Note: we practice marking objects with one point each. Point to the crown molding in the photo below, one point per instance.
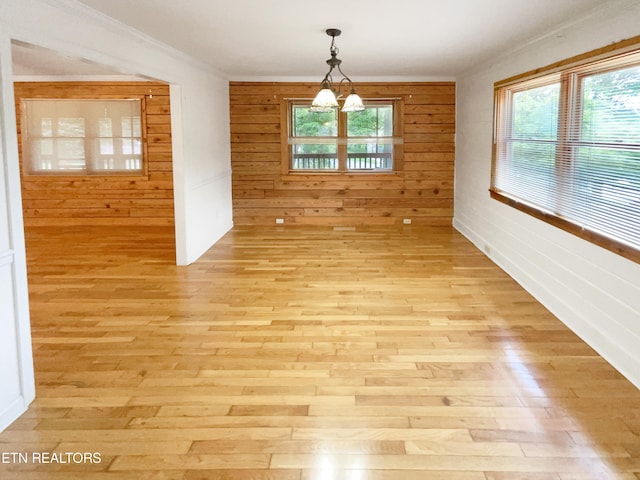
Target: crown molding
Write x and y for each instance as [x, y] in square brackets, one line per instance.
[358, 79]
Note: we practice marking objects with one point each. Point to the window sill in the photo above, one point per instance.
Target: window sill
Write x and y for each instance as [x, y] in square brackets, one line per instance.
[350, 175]
[76, 176]
[591, 236]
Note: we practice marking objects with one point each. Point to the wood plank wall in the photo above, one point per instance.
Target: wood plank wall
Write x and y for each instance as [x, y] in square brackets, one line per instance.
[422, 191]
[144, 200]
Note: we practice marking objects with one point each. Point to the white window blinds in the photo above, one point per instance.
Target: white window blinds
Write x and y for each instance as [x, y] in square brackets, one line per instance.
[567, 144]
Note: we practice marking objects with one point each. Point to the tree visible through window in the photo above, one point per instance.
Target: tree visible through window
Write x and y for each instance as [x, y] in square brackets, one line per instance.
[567, 149]
[348, 142]
[314, 139]
[370, 138]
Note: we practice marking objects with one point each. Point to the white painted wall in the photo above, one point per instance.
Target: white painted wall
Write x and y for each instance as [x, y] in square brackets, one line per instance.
[204, 209]
[595, 292]
[17, 387]
[201, 155]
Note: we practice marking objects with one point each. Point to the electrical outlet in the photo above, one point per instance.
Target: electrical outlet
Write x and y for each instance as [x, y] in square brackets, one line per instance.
[279, 220]
[406, 221]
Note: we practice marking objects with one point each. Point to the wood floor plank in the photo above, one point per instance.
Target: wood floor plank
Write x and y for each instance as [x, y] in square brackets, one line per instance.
[471, 463]
[307, 353]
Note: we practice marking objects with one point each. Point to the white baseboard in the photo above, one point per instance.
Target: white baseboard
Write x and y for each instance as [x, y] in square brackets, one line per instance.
[12, 412]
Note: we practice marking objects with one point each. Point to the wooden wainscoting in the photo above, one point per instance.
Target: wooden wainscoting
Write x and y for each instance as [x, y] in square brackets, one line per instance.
[105, 200]
[421, 190]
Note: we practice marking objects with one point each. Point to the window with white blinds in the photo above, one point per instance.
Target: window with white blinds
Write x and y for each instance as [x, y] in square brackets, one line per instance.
[567, 149]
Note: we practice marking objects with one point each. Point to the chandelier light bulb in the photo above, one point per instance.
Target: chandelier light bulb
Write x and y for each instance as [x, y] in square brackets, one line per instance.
[326, 99]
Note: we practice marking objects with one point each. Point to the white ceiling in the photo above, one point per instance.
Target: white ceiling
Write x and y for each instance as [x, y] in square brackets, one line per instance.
[419, 39]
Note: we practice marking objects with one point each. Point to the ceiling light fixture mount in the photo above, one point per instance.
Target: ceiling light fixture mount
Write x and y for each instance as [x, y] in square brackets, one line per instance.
[327, 98]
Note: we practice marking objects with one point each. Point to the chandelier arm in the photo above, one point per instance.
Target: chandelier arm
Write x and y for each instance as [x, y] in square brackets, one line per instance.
[345, 77]
[340, 85]
[327, 78]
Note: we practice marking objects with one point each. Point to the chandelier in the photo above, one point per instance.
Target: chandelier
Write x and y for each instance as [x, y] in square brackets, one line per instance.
[327, 98]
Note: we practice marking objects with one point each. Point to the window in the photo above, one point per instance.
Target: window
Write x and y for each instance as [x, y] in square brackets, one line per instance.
[86, 137]
[314, 139]
[365, 141]
[567, 149]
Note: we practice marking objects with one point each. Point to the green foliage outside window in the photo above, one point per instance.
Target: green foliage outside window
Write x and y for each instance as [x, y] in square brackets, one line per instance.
[315, 137]
[568, 144]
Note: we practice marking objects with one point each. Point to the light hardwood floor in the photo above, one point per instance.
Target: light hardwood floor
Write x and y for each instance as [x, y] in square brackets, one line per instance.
[308, 353]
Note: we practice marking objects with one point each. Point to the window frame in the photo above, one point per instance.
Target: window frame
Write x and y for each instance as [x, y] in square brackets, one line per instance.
[88, 170]
[570, 74]
[341, 139]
